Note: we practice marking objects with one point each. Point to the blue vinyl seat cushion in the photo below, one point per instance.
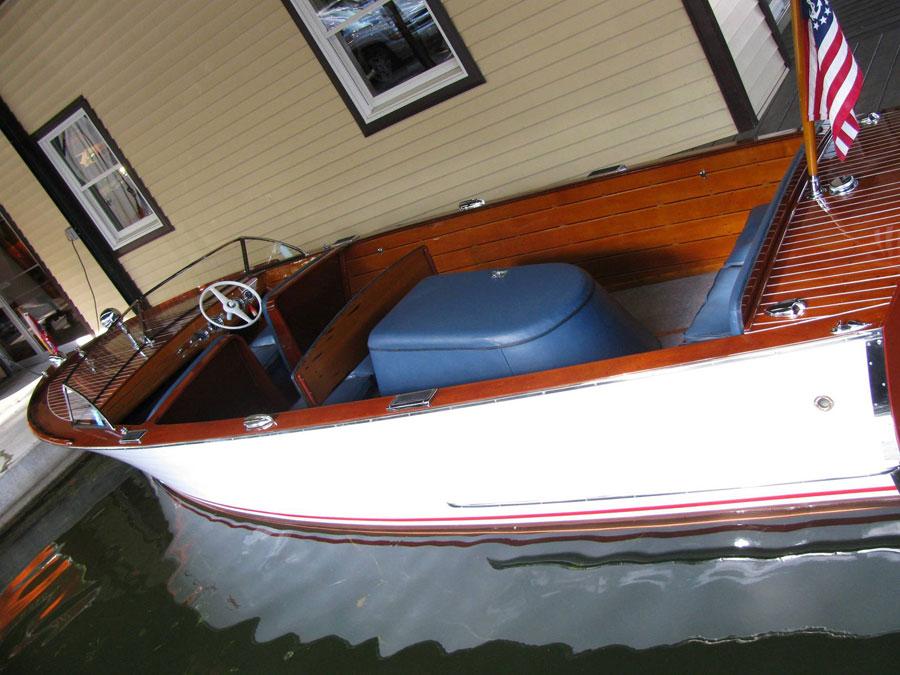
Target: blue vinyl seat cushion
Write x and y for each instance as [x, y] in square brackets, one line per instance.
[359, 384]
[721, 314]
[751, 238]
[265, 347]
[471, 326]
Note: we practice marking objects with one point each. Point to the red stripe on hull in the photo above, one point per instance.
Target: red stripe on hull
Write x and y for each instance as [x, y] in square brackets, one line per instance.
[557, 515]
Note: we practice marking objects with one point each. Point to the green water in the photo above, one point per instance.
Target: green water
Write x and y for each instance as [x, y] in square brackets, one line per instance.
[124, 578]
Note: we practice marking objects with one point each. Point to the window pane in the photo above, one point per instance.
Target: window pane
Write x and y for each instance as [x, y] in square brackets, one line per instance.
[394, 43]
[120, 200]
[333, 13]
[84, 151]
[422, 25]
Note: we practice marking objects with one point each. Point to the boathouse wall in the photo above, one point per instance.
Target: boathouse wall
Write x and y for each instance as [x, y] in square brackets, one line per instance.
[235, 128]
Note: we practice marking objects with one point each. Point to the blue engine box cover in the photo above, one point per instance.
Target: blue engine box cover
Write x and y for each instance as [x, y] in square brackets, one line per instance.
[471, 326]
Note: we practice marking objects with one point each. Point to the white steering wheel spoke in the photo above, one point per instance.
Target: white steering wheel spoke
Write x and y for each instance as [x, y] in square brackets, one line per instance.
[239, 313]
[232, 307]
[221, 297]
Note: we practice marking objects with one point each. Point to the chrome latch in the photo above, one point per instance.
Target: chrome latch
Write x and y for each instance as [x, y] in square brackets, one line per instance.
[413, 399]
[851, 326]
[788, 309]
[259, 422]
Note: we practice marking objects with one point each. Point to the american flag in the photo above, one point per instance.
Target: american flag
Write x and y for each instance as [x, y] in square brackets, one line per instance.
[833, 76]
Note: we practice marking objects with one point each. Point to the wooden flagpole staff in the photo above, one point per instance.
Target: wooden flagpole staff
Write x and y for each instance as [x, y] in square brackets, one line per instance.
[801, 53]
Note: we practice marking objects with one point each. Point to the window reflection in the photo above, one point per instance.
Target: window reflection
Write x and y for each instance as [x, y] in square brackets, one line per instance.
[84, 151]
[389, 44]
[333, 13]
[120, 200]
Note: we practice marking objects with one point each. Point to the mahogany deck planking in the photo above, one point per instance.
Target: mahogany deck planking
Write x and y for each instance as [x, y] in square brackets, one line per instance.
[845, 258]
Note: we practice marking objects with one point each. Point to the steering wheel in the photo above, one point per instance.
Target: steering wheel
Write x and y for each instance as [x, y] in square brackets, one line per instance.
[236, 307]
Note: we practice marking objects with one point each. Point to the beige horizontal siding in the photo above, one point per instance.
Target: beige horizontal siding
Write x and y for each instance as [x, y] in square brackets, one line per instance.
[753, 48]
[235, 128]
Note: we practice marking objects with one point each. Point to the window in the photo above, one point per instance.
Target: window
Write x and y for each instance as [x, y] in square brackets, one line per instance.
[389, 59]
[97, 173]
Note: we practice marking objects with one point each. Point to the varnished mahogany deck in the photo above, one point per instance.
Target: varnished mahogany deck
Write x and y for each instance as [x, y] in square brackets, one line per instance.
[844, 260]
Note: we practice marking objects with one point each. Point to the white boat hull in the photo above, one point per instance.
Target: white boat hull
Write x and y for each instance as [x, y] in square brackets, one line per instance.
[728, 436]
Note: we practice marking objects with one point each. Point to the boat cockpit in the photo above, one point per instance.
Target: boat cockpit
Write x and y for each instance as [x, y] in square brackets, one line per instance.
[286, 333]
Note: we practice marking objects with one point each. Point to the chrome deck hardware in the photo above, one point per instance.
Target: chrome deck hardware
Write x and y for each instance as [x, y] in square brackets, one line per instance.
[413, 399]
[132, 436]
[110, 317]
[86, 360]
[851, 326]
[788, 309]
[869, 120]
[842, 185]
[608, 171]
[83, 412]
[259, 422]
[877, 374]
[824, 403]
[471, 204]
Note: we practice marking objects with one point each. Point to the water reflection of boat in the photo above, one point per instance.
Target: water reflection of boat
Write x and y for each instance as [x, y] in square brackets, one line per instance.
[379, 396]
[43, 598]
[586, 591]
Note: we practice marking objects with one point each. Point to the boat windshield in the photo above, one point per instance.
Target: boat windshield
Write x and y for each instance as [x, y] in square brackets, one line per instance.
[167, 303]
[163, 311]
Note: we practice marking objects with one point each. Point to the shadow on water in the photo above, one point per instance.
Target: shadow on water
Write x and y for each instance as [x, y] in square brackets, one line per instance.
[110, 571]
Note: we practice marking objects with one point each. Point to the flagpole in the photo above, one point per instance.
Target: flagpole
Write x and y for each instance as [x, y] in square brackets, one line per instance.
[801, 53]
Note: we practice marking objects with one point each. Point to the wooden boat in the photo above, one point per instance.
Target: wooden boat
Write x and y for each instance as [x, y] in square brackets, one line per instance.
[412, 381]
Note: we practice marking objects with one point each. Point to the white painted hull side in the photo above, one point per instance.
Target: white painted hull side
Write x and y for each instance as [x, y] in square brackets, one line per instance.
[718, 436]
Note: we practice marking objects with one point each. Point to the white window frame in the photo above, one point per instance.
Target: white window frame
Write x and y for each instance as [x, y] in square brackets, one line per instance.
[372, 108]
[116, 239]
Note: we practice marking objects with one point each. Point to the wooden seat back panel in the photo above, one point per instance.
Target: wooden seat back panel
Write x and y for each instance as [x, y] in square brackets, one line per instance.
[301, 306]
[344, 342]
[225, 382]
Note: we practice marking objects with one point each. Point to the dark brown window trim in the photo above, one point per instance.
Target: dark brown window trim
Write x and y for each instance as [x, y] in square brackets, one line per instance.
[473, 73]
[776, 34]
[68, 205]
[81, 103]
[722, 63]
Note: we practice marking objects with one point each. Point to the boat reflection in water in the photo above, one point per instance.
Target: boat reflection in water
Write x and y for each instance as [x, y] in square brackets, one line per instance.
[579, 589]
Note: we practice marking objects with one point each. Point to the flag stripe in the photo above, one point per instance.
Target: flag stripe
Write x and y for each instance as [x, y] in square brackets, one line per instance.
[834, 79]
